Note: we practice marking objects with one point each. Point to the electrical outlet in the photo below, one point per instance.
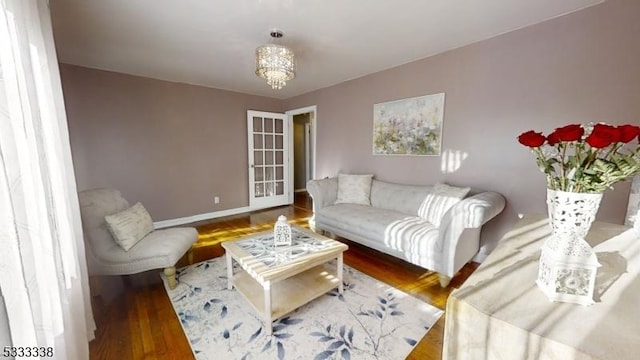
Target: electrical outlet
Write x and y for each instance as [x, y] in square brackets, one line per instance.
[216, 199]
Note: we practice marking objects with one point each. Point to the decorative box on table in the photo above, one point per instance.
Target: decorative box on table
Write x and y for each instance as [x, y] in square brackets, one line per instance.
[567, 270]
[282, 232]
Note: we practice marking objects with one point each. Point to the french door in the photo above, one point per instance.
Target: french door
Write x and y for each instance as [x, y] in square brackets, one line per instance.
[269, 181]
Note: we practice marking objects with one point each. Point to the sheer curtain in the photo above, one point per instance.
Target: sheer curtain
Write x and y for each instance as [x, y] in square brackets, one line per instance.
[43, 273]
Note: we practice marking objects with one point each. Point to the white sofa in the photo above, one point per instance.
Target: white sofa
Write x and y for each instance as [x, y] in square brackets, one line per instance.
[391, 223]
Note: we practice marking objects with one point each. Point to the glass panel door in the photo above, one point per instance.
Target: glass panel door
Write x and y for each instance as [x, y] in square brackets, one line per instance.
[268, 159]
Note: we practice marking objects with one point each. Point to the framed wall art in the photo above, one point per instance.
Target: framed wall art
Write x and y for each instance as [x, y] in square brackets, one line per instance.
[410, 126]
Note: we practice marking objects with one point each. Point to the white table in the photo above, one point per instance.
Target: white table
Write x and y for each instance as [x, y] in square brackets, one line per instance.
[278, 280]
[499, 312]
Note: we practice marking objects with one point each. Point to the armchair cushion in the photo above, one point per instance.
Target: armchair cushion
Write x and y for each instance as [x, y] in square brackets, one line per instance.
[159, 249]
[129, 226]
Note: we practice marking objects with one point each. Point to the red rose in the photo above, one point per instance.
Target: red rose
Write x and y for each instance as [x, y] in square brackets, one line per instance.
[569, 133]
[531, 139]
[553, 138]
[628, 132]
[603, 135]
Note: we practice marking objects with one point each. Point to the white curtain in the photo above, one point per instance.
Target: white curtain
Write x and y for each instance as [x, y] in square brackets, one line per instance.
[43, 272]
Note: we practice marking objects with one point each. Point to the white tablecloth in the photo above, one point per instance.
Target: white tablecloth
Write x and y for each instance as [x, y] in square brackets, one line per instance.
[499, 312]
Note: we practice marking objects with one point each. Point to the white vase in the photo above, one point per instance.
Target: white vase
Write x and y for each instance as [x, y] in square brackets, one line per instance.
[572, 212]
[568, 265]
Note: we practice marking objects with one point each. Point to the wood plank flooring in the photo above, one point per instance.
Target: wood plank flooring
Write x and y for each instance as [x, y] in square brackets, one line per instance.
[135, 318]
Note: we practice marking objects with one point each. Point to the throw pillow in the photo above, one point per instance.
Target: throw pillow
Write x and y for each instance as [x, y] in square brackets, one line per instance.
[439, 201]
[129, 226]
[354, 189]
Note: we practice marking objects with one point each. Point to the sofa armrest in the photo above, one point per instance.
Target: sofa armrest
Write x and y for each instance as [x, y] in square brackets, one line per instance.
[474, 211]
[459, 232]
[323, 192]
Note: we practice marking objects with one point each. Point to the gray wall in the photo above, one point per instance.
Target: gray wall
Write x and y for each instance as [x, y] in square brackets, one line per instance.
[171, 146]
[578, 68]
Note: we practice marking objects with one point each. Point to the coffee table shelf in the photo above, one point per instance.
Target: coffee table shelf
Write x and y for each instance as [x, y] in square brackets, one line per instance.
[289, 294]
[277, 280]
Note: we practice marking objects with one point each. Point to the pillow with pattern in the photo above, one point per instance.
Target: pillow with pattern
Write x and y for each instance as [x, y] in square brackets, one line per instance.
[354, 189]
[129, 226]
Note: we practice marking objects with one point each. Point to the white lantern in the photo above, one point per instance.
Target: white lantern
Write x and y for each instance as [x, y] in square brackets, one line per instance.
[282, 232]
[568, 268]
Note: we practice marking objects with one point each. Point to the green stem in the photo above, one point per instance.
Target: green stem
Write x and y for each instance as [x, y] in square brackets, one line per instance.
[613, 149]
[563, 179]
[578, 151]
[588, 161]
[543, 165]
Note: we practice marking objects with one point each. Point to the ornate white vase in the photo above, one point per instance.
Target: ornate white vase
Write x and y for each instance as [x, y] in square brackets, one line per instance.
[571, 212]
[568, 265]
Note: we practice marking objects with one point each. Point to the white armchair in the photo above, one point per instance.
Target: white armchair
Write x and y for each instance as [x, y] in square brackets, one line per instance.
[160, 249]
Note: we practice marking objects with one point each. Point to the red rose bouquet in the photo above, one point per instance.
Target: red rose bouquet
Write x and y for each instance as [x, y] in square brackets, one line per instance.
[589, 159]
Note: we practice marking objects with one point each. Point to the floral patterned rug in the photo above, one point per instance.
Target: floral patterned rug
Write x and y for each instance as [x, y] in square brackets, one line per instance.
[370, 320]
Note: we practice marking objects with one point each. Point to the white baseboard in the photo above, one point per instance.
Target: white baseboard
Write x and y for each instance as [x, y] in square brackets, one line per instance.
[199, 217]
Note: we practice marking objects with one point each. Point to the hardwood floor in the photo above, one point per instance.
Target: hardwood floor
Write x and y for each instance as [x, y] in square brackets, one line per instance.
[135, 318]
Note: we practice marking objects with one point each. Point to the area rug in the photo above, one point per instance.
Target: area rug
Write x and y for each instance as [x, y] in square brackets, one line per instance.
[370, 320]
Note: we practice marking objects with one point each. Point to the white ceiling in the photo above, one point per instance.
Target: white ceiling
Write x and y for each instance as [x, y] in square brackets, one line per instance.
[212, 42]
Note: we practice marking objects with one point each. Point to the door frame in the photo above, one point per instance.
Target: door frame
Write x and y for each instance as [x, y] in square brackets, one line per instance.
[307, 152]
[313, 109]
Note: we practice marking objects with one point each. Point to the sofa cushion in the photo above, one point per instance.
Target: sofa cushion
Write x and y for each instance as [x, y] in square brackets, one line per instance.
[354, 189]
[398, 197]
[129, 226]
[365, 220]
[441, 198]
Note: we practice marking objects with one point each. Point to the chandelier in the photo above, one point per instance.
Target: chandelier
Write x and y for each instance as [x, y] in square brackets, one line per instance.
[275, 63]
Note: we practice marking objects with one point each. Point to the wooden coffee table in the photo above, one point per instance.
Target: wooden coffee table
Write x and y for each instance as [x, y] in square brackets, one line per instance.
[278, 280]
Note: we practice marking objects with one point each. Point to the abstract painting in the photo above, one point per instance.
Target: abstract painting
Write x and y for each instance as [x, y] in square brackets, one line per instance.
[410, 126]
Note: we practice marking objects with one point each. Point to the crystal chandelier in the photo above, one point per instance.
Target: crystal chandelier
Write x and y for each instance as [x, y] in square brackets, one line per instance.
[275, 63]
